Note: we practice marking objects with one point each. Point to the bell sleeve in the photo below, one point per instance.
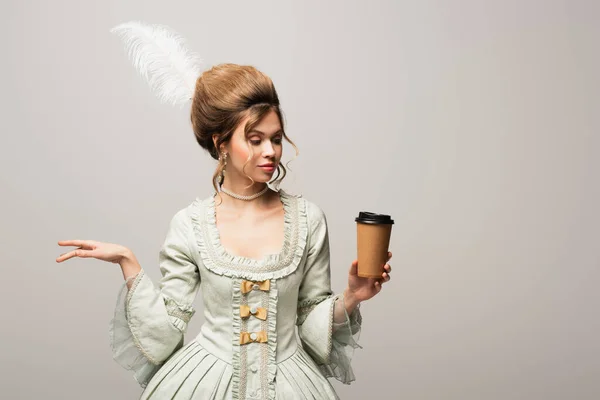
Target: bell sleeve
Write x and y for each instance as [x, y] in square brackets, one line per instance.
[150, 320]
[330, 344]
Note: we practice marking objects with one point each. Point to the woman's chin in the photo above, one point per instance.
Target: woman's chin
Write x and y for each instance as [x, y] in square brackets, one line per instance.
[263, 177]
[259, 180]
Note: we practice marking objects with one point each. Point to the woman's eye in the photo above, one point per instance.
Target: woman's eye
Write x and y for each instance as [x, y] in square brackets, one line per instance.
[257, 142]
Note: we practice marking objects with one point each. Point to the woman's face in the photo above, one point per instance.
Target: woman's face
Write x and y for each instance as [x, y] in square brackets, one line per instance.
[264, 143]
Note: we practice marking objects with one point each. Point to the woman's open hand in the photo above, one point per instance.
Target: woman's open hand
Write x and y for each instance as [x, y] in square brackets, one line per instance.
[361, 289]
[110, 252]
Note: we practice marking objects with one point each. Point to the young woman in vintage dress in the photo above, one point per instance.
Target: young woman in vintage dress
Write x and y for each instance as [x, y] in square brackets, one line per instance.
[260, 258]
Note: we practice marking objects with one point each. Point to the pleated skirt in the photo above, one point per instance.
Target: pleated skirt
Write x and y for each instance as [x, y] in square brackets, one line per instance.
[194, 373]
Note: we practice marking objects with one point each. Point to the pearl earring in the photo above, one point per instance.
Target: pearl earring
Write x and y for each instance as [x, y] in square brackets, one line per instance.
[224, 162]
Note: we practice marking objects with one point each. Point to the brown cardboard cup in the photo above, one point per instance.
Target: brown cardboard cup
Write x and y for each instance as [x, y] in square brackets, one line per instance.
[373, 232]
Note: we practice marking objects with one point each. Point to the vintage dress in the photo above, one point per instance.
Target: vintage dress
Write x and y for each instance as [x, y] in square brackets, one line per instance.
[248, 347]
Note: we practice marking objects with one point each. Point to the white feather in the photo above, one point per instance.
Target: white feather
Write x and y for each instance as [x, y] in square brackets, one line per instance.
[159, 54]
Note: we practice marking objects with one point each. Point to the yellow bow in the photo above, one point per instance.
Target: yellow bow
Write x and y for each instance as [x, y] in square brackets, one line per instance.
[259, 312]
[249, 285]
[247, 337]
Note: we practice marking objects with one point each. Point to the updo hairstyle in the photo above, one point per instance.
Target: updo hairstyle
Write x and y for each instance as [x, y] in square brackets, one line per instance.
[224, 96]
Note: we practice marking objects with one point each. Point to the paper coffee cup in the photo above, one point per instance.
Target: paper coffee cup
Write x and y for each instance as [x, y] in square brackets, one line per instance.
[373, 232]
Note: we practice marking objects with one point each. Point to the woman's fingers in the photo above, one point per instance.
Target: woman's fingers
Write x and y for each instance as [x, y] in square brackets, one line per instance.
[378, 286]
[354, 268]
[386, 275]
[85, 244]
[85, 249]
[75, 253]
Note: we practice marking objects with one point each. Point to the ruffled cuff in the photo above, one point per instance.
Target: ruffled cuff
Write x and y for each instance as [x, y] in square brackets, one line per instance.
[125, 349]
[331, 349]
[344, 339]
[147, 328]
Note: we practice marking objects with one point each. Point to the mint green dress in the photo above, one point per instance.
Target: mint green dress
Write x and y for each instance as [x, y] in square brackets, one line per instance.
[268, 330]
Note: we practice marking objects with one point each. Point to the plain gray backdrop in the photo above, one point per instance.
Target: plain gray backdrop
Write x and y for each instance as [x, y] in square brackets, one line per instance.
[473, 123]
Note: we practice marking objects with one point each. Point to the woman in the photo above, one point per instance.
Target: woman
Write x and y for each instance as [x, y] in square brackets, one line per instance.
[260, 258]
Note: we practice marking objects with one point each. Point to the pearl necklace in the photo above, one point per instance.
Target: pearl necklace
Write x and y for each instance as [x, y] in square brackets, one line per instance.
[242, 197]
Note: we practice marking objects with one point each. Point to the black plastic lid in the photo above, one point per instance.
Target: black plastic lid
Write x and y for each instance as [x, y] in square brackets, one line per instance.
[365, 217]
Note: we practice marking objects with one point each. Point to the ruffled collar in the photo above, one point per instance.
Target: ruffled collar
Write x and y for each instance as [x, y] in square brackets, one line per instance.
[272, 266]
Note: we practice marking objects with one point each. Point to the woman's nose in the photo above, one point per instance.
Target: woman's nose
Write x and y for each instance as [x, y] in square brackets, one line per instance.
[268, 149]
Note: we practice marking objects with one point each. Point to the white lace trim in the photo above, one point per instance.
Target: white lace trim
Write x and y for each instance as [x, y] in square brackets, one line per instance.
[273, 266]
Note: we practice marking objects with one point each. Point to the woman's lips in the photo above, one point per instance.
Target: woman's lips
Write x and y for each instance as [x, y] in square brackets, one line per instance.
[267, 167]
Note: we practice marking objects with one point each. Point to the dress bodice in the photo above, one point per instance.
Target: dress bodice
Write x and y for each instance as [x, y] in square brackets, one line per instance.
[253, 311]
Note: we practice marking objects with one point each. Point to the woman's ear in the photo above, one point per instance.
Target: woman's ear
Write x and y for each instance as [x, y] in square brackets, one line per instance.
[214, 139]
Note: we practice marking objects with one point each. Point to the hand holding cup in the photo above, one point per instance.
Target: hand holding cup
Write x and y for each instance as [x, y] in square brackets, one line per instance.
[360, 288]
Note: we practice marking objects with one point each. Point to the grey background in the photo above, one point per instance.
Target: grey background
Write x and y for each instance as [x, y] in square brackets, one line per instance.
[474, 123]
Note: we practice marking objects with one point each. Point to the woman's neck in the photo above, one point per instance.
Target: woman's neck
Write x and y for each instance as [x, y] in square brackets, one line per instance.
[242, 190]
